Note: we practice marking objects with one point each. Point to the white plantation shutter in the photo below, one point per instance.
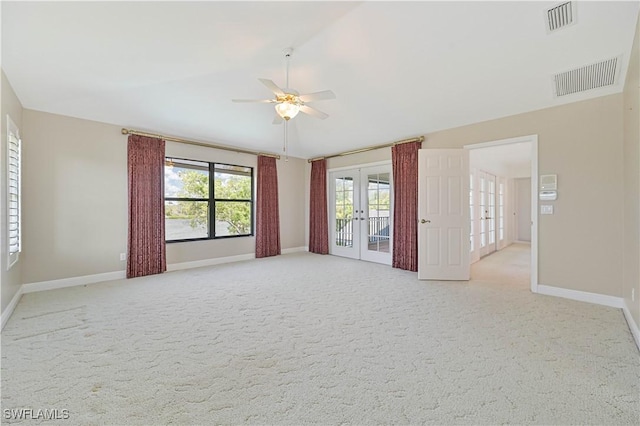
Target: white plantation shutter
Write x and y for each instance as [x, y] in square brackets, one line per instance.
[13, 190]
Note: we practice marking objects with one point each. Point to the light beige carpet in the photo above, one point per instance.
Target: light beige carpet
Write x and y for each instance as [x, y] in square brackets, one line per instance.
[304, 338]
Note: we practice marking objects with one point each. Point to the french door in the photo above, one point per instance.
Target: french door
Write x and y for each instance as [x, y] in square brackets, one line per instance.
[361, 223]
[486, 213]
[488, 206]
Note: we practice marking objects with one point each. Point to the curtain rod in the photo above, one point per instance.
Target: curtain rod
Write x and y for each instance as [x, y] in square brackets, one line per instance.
[196, 143]
[370, 148]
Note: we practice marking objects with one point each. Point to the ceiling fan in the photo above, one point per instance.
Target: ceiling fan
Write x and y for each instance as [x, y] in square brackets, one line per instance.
[288, 102]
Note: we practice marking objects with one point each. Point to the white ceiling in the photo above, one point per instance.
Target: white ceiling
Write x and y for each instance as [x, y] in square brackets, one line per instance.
[399, 69]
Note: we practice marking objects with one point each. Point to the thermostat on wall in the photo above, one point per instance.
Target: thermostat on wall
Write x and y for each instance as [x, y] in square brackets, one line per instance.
[548, 183]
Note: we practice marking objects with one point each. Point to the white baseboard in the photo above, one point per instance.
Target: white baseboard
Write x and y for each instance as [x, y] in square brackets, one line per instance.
[73, 281]
[635, 331]
[582, 296]
[295, 250]
[117, 275]
[221, 260]
[209, 262]
[6, 314]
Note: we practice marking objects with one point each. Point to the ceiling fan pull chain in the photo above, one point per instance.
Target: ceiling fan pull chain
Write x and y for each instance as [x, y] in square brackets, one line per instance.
[285, 148]
[284, 139]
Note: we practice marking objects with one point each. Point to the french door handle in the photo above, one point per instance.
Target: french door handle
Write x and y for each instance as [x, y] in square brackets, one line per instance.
[425, 221]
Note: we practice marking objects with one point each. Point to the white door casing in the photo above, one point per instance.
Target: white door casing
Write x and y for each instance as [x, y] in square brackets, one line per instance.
[443, 214]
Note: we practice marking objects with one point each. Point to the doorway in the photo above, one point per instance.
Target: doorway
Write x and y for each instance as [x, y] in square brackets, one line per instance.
[360, 214]
[493, 199]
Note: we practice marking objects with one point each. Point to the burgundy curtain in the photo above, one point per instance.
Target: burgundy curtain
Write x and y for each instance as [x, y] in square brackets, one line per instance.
[318, 221]
[267, 210]
[405, 205]
[146, 245]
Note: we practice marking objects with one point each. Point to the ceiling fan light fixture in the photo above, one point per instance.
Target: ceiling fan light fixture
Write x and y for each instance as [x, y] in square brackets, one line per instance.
[287, 110]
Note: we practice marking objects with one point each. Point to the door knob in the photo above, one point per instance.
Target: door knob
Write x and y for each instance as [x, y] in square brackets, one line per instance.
[425, 221]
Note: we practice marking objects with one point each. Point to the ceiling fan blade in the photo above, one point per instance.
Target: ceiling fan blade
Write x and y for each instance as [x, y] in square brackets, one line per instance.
[272, 86]
[313, 112]
[277, 119]
[318, 96]
[262, 101]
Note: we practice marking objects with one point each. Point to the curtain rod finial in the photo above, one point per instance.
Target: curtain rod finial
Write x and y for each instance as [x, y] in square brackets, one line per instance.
[125, 131]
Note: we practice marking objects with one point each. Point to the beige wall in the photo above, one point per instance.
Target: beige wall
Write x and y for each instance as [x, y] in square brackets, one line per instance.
[291, 196]
[631, 270]
[75, 199]
[522, 209]
[580, 246]
[10, 280]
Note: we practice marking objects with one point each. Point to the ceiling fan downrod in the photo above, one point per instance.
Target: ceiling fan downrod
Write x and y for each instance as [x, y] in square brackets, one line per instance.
[287, 56]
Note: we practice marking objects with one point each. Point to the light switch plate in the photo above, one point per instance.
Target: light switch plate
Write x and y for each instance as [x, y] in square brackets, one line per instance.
[546, 209]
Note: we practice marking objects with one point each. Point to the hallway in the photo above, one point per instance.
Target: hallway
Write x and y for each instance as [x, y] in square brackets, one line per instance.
[510, 266]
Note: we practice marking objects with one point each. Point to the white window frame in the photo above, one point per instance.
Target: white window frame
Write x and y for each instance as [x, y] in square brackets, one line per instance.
[13, 140]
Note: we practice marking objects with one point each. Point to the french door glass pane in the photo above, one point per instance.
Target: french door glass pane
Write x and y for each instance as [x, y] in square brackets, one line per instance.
[378, 208]
[501, 211]
[471, 212]
[492, 211]
[483, 212]
[344, 211]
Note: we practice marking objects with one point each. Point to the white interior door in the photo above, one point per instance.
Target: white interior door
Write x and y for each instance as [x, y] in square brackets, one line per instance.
[443, 214]
[361, 222]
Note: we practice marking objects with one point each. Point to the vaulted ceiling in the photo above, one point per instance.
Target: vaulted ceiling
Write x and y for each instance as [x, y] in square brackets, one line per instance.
[398, 69]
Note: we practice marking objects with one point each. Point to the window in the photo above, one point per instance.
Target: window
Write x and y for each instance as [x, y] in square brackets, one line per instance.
[207, 200]
[14, 196]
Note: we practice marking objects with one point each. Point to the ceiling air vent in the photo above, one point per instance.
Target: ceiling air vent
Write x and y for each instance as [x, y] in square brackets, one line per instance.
[588, 77]
[560, 16]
